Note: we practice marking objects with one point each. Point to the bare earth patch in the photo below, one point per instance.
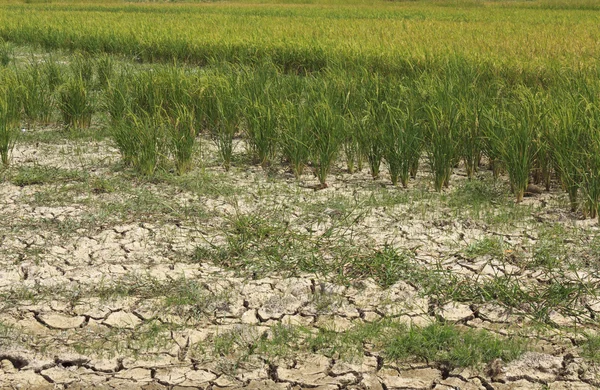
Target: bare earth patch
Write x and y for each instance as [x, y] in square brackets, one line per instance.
[248, 279]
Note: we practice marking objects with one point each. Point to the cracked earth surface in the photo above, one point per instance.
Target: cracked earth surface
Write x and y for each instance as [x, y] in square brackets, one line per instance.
[92, 283]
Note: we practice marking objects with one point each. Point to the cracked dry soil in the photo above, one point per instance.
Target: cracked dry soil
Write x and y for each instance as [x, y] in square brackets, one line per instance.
[84, 272]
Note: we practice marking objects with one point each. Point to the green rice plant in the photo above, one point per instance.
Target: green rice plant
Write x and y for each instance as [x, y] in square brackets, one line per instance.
[325, 130]
[121, 133]
[260, 114]
[76, 104]
[105, 70]
[36, 98]
[343, 93]
[402, 140]
[82, 67]
[117, 99]
[590, 160]
[351, 147]
[442, 134]
[471, 144]
[368, 124]
[470, 91]
[9, 116]
[158, 91]
[6, 52]
[145, 91]
[175, 89]
[491, 149]
[542, 164]
[53, 74]
[262, 130]
[512, 132]
[220, 104]
[149, 134]
[182, 136]
[566, 141]
[142, 141]
[295, 136]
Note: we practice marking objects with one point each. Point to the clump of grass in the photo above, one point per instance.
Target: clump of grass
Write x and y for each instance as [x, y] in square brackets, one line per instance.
[76, 104]
[439, 344]
[590, 348]
[37, 175]
[490, 246]
[452, 347]
[385, 266]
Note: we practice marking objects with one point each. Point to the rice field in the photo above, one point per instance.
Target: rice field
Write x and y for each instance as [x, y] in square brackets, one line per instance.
[485, 113]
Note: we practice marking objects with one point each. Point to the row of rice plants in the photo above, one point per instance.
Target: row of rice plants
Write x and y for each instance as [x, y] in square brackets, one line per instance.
[46, 86]
[308, 121]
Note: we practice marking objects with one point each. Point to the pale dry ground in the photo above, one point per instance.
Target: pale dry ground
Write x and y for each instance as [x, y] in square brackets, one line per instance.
[94, 265]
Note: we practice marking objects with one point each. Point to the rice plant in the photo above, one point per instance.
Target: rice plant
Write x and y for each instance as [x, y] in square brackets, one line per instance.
[295, 136]
[324, 127]
[53, 74]
[181, 138]
[402, 140]
[350, 147]
[220, 104]
[76, 104]
[36, 98]
[470, 94]
[512, 133]
[142, 141]
[121, 133]
[442, 133]
[368, 124]
[145, 91]
[566, 141]
[343, 93]
[82, 67]
[261, 117]
[105, 70]
[542, 164]
[471, 108]
[590, 158]
[117, 99]
[9, 117]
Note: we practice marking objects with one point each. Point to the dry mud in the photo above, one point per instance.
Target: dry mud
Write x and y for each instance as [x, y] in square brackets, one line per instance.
[63, 245]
